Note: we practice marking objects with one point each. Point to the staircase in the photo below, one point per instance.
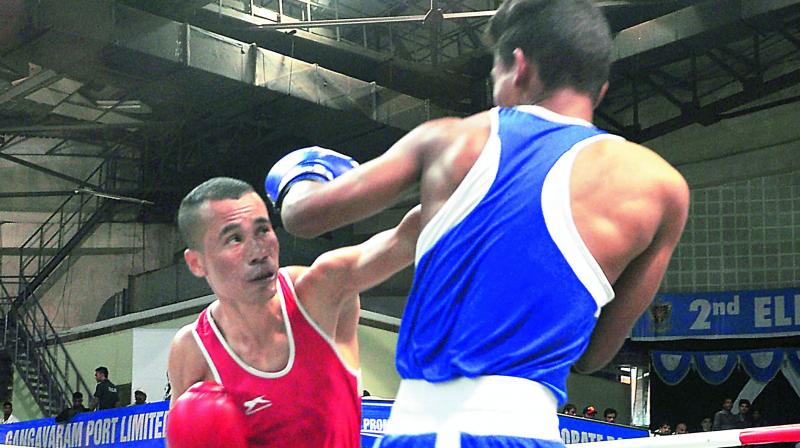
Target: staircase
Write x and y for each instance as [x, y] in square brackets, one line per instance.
[42, 362]
[28, 336]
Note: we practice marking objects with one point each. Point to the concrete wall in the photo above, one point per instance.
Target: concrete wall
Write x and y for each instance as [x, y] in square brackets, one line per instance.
[377, 348]
[740, 235]
[98, 268]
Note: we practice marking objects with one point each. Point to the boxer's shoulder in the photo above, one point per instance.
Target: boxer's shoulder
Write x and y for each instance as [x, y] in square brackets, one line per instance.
[441, 133]
[186, 363]
[629, 168]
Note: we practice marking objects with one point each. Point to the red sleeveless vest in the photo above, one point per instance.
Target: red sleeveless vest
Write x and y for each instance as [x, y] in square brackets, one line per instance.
[313, 402]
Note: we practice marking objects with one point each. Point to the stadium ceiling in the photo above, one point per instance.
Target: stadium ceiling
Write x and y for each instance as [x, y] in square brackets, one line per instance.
[208, 87]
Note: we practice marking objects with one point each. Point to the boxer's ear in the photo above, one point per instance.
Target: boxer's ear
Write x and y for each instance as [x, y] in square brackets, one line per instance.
[195, 262]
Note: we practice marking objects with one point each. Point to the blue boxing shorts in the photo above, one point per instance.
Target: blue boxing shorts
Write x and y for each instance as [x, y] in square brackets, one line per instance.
[483, 412]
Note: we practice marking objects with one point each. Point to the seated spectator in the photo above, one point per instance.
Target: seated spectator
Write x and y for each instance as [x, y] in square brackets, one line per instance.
[570, 409]
[705, 424]
[681, 428]
[590, 412]
[664, 430]
[76, 408]
[756, 419]
[724, 418]
[8, 417]
[139, 397]
[610, 415]
[744, 414]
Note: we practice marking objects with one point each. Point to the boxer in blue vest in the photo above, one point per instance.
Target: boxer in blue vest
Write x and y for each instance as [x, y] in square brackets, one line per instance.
[534, 220]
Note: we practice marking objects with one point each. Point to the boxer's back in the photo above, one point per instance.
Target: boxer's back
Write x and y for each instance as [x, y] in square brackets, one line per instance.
[596, 195]
[504, 284]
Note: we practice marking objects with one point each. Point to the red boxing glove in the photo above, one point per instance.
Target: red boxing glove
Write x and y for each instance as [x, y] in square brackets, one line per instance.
[206, 416]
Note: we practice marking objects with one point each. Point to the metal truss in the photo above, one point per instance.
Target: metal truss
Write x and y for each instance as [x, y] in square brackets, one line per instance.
[705, 81]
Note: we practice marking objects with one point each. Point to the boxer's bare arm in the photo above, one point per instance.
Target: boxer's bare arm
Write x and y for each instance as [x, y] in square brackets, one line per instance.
[186, 364]
[329, 288]
[658, 215]
[310, 209]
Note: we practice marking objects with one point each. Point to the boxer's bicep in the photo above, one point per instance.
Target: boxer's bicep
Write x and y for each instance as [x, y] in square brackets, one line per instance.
[635, 288]
[346, 332]
[350, 270]
[185, 365]
[633, 291]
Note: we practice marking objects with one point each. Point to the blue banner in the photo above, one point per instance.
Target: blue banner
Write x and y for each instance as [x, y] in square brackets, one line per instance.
[143, 426]
[135, 427]
[582, 430]
[375, 414]
[739, 314]
[762, 364]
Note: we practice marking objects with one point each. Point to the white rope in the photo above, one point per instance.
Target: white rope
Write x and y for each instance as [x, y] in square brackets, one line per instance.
[713, 439]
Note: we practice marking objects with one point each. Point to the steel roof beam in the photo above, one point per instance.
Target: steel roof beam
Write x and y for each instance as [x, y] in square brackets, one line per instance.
[710, 20]
[47, 171]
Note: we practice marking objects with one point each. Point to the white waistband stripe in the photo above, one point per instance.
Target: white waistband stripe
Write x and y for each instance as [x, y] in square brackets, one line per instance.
[489, 405]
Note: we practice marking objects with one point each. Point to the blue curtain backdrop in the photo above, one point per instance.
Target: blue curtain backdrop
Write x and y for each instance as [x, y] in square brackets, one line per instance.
[715, 367]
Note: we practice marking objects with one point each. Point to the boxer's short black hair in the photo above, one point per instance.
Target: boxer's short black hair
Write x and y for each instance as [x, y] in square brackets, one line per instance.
[215, 189]
[569, 41]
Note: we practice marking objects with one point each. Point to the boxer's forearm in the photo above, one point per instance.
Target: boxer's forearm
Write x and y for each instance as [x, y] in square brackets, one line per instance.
[388, 252]
[312, 208]
[367, 189]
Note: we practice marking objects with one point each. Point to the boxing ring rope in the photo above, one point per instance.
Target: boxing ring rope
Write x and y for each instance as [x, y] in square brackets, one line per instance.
[713, 439]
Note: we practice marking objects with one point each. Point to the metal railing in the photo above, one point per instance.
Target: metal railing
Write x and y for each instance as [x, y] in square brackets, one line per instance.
[65, 228]
[42, 361]
[28, 335]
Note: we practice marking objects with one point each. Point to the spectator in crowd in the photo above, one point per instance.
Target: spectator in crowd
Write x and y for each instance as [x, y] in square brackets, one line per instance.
[105, 394]
[590, 412]
[168, 390]
[570, 409]
[681, 428]
[705, 424]
[8, 417]
[76, 408]
[724, 418]
[756, 419]
[744, 414]
[664, 430]
[610, 415]
[139, 397]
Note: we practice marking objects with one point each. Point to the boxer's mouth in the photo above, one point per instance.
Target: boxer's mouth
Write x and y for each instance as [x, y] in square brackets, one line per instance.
[263, 276]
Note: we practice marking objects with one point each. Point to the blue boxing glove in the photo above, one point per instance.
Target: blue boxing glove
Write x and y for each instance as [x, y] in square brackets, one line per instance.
[312, 163]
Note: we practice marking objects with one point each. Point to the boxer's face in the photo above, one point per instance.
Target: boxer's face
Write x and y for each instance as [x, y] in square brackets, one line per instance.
[239, 258]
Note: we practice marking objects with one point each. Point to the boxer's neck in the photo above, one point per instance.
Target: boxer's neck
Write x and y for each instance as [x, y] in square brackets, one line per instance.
[568, 102]
[255, 331]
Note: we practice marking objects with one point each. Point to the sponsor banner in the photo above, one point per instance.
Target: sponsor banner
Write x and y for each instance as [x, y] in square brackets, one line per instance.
[131, 427]
[737, 314]
[582, 430]
[375, 414]
[143, 427]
